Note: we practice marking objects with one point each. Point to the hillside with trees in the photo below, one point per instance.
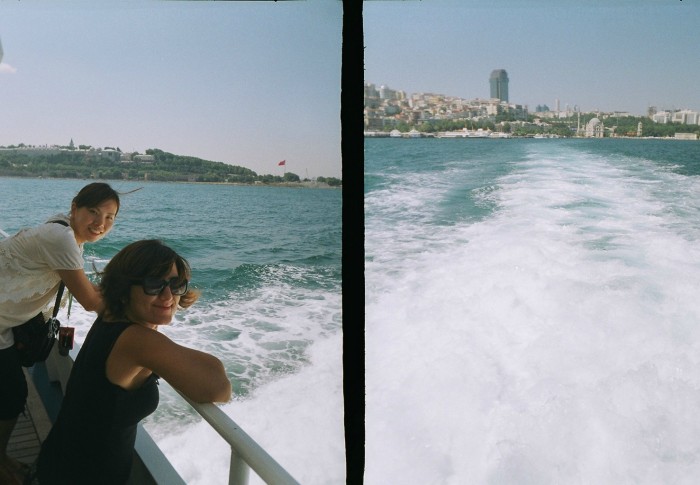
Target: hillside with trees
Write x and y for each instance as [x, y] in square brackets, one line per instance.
[107, 164]
[564, 127]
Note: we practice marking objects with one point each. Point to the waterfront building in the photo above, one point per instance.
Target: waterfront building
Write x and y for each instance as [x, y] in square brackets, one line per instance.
[687, 117]
[499, 84]
[661, 117]
[594, 129]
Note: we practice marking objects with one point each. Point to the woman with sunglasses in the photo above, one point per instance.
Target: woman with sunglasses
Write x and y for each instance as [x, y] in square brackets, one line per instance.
[33, 262]
[113, 383]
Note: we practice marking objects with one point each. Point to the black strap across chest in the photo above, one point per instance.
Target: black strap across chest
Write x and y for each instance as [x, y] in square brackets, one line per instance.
[62, 286]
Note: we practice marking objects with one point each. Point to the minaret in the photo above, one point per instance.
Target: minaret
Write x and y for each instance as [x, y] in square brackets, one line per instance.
[578, 122]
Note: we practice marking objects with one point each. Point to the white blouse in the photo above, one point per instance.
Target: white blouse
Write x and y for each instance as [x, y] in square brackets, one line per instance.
[28, 278]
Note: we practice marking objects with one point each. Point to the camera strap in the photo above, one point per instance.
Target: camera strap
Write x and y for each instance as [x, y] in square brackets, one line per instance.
[62, 286]
[58, 299]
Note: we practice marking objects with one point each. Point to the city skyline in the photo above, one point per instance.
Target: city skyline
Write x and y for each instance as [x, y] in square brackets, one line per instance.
[245, 83]
[623, 57]
[658, 114]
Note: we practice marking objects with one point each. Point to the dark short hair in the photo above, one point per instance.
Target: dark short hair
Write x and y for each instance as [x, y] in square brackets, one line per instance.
[149, 257]
[95, 194]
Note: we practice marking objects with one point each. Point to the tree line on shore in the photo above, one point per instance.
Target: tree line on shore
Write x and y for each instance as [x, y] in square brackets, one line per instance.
[619, 126]
[165, 167]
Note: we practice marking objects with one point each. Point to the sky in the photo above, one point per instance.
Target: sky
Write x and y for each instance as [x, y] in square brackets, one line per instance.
[245, 83]
[598, 55]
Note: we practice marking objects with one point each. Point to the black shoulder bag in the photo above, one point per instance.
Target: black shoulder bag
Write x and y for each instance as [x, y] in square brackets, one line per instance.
[34, 339]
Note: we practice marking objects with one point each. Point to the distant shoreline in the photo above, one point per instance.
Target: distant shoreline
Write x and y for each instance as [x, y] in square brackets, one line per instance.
[520, 137]
[298, 185]
[109, 164]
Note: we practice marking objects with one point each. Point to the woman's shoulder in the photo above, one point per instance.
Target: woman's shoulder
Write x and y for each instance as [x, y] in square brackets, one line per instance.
[50, 231]
[59, 240]
[139, 339]
[104, 332]
[140, 332]
[60, 218]
[111, 325]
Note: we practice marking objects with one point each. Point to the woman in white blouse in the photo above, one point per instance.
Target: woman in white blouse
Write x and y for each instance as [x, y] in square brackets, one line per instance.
[33, 262]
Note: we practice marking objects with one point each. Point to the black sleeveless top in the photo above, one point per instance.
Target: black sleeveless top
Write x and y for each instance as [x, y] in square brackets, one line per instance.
[92, 440]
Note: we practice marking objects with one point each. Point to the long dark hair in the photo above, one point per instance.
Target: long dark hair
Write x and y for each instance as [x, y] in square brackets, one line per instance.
[149, 257]
[95, 194]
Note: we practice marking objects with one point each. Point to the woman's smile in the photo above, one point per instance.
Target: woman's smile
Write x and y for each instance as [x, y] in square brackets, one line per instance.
[92, 223]
[153, 310]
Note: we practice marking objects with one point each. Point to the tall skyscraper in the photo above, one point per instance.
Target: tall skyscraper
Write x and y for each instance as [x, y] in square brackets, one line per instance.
[499, 84]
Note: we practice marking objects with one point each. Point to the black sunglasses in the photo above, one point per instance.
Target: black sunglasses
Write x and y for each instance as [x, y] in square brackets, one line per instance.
[155, 286]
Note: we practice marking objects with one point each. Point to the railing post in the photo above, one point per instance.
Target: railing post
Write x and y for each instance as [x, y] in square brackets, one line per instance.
[239, 470]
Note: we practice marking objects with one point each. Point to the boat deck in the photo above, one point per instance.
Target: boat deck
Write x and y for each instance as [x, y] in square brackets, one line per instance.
[32, 427]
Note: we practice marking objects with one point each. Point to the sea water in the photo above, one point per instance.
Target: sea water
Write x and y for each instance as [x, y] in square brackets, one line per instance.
[267, 261]
[532, 311]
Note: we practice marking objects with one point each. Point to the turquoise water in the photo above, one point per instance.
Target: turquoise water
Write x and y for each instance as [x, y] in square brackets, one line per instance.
[532, 311]
[268, 263]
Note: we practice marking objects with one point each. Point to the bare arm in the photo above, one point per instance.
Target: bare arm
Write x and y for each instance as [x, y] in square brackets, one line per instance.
[84, 291]
[200, 376]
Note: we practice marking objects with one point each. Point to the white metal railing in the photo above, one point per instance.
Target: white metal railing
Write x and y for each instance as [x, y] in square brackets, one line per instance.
[245, 452]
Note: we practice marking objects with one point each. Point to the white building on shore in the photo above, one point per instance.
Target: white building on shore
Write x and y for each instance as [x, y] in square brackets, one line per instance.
[685, 116]
[594, 129]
